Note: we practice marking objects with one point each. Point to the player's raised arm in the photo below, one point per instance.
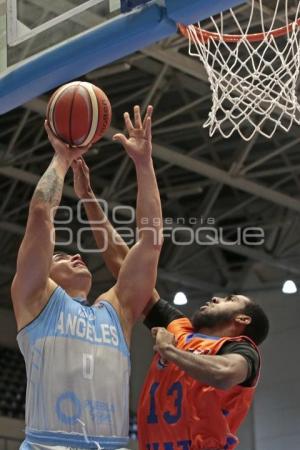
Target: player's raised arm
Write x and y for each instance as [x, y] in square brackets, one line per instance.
[138, 273]
[31, 286]
[112, 247]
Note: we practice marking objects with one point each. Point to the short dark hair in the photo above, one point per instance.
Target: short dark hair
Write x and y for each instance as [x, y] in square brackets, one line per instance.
[258, 329]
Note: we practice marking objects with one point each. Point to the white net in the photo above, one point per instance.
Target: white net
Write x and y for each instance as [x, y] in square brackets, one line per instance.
[253, 79]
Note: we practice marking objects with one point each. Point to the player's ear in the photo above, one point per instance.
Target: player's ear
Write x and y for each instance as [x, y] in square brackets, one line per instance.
[243, 319]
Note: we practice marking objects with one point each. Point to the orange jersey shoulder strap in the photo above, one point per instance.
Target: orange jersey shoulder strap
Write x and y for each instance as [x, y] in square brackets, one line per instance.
[180, 328]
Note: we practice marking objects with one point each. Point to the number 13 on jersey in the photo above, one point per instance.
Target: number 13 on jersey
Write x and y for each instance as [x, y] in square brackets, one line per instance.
[170, 417]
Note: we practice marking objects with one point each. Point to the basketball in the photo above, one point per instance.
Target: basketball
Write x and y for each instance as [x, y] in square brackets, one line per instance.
[79, 113]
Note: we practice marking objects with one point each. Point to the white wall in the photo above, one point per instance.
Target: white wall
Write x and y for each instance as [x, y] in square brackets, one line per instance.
[277, 404]
[11, 433]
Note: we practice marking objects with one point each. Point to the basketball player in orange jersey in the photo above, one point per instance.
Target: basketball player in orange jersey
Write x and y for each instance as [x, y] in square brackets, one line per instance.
[76, 355]
[202, 380]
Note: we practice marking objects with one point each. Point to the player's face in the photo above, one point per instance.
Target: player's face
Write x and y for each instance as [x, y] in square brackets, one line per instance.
[219, 311]
[65, 266]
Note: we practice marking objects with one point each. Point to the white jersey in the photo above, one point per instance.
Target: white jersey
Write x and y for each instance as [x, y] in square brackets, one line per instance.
[78, 367]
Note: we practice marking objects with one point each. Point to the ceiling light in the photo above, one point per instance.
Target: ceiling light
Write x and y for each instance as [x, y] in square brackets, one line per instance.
[180, 299]
[289, 287]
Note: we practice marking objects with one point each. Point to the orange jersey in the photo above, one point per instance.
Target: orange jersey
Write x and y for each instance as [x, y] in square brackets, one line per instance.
[177, 412]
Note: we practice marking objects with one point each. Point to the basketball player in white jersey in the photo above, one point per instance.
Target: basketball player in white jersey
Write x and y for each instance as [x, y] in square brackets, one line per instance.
[77, 357]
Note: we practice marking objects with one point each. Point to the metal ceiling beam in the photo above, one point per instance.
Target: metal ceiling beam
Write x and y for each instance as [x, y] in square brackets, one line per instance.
[153, 67]
[186, 280]
[251, 253]
[178, 61]
[270, 155]
[260, 256]
[12, 227]
[276, 171]
[155, 86]
[31, 178]
[207, 170]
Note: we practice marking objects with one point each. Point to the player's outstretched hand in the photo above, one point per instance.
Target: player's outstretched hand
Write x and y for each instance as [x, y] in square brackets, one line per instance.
[138, 145]
[81, 173]
[64, 150]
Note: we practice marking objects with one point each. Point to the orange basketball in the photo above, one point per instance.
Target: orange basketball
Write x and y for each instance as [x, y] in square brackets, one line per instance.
[79, 113]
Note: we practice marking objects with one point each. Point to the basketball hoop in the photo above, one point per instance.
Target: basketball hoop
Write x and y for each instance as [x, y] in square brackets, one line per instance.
[253, 75]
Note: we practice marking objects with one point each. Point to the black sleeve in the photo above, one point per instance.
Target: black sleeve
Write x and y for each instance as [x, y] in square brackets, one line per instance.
[161, 314]
[249, 353]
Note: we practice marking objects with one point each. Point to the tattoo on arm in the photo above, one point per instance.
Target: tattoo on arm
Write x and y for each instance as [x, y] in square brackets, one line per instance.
[49, 188]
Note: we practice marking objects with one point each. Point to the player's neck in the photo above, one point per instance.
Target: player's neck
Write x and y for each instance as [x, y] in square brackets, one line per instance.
[76, 286]
[218, 331]
[80, 291]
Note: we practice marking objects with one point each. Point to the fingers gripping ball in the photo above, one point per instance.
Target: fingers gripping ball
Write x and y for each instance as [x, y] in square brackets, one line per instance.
[79, 113]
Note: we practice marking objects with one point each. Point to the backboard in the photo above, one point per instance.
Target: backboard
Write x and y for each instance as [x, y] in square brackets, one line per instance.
[44, 43]
[36, 25]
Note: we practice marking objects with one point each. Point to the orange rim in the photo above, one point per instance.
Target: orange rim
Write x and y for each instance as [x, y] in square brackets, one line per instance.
[204, 35]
